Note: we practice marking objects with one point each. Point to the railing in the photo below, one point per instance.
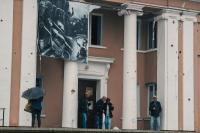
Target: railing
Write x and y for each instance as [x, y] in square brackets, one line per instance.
[3, 114]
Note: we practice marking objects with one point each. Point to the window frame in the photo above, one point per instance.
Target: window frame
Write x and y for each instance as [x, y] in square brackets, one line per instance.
[90, 31]
[148, 85]
[139, 34]
[138, 101]
[154, 46]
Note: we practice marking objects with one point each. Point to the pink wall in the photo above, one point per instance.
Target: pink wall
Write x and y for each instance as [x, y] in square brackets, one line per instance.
[53, 74]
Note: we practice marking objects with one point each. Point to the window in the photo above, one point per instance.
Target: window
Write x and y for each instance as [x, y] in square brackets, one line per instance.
[96, 29]
[138, 101]
[152, 91]
[139, 34]
[152, 35]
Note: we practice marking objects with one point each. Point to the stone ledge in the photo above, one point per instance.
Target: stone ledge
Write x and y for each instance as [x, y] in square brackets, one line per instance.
[77, 130]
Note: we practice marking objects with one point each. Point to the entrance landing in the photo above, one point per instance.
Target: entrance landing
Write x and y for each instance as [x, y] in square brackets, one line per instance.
[70, 130]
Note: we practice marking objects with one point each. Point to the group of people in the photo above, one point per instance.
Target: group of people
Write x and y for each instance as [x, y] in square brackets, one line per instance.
[102, 110]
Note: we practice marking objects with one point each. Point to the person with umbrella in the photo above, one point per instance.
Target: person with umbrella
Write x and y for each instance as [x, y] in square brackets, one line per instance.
[36, 108]
[35, 97]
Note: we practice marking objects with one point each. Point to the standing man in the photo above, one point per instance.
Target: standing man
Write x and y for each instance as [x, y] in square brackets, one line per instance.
[83, 107]
[99, 112]
[154, 111]
[107, 109]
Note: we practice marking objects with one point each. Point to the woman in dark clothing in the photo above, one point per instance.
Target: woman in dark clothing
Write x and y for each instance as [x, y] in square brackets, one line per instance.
[36, 108]
[107, 109]
[83, 108]
[99, 112]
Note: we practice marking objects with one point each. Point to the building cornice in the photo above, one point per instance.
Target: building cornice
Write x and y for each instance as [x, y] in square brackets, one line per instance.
[148, 4]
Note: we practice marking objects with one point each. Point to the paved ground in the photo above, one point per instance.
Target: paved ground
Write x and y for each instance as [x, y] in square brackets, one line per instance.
[69, 130]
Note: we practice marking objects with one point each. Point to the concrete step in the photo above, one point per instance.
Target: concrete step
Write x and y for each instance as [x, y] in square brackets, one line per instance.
[77, 130]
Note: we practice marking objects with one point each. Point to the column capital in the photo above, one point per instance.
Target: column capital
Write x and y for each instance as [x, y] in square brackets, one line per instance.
[189, 16]
[166, 14]
[198, 18]
[128, 9]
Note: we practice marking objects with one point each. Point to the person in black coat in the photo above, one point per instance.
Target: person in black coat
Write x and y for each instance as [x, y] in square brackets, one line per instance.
[36, 108]
[107, 109]
[99, 112]
[83, 108]
[154, 111]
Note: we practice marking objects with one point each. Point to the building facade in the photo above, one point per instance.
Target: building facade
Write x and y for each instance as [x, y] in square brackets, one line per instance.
[137, 49]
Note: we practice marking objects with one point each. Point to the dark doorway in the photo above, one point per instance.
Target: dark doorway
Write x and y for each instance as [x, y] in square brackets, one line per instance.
[89, 86]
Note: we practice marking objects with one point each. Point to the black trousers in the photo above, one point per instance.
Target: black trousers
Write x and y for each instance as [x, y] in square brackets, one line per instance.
[36, 113]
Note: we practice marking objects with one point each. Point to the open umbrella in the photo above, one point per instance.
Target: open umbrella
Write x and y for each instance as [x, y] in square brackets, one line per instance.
[33, 93]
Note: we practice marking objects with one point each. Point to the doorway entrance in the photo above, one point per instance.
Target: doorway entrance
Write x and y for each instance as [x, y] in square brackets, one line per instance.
[89, 86]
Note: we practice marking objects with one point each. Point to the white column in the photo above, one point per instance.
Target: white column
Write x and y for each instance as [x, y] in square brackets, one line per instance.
[70, 95]
[29, 53]
[129, 107]
[188, 72]
[167, 68]
[6, 28]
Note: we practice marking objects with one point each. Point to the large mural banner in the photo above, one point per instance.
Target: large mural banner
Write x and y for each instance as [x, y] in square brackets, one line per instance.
[63, 29]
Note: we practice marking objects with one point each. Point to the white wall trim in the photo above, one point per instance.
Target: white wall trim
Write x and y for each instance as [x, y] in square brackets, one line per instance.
[144, 51]
[6, 37]
[97, 46]
[101, 59]
[96, 69]
[147, 51]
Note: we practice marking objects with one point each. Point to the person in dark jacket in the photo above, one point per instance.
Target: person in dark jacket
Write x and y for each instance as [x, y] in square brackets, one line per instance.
[83, 107]
[36, 108]
[154, 111]
[107, 109]
[99, 112]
